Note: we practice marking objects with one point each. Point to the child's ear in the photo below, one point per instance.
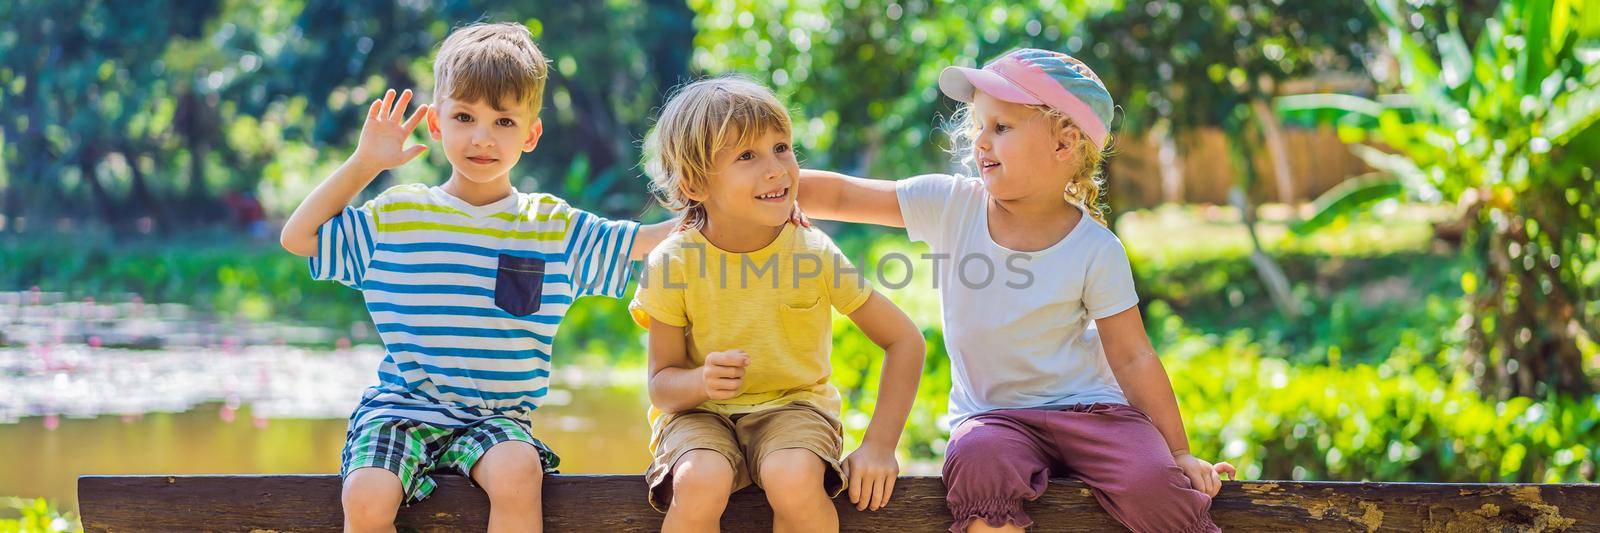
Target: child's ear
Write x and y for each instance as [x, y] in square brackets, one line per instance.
[692, 192]
[534, 132]
[1067, 144]
[433, 122]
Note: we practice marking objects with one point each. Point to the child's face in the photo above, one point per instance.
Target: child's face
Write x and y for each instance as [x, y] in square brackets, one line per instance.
[755, 183]
[1018, 152]
[483, 143]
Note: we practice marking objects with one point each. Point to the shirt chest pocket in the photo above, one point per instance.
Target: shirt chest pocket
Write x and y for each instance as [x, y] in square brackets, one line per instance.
[806, 321]
[519, 284]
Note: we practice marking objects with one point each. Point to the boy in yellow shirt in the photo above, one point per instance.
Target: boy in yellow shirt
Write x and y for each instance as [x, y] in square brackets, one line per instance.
[739, 306]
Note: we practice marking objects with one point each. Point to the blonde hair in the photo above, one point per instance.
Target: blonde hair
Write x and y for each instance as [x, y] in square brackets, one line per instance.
[700, 119]
[1085, 188]
[491, 62]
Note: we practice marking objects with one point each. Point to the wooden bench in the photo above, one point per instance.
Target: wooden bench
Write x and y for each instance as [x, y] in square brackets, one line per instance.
[616, 503]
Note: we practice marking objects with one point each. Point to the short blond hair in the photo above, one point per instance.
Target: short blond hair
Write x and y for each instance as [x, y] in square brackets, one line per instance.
[1084, 188]
[493, 63]
[699, 120]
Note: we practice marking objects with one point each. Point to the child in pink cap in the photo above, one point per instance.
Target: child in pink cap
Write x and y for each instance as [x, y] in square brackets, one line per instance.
[1052, 371]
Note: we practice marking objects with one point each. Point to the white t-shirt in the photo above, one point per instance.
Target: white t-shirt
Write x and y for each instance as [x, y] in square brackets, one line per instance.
[1018, 326]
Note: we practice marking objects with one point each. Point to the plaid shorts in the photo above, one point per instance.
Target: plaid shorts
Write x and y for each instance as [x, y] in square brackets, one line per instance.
[413, 449]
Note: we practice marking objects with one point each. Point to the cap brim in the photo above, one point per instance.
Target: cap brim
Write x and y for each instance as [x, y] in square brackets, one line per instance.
[959, 83]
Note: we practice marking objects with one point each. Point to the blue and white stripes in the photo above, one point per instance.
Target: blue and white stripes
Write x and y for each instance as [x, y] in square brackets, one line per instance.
[428, 266]
[344, 247]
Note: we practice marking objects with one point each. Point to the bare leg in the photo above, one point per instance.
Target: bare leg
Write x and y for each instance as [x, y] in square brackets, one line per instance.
[371, 498]
[792, 479]
[511, 474]
[701, 482]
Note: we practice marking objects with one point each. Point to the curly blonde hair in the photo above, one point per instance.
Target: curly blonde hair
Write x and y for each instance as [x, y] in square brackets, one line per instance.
[700, 119]
[1086, 187]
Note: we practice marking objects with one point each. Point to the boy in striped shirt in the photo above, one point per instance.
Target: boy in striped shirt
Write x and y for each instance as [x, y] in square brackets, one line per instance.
[466, 282]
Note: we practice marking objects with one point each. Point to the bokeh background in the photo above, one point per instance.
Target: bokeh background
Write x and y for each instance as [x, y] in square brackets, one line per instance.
[1364, 234]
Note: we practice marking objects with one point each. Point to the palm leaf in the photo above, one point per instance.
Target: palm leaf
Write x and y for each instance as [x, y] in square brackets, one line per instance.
[1310, 110]
[1400, 167]
[1532, 66]
[1347, 198]
[1580, 109]
[1454, 58]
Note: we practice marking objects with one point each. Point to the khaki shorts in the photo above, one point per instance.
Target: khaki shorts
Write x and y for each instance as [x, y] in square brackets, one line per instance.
[745, 440]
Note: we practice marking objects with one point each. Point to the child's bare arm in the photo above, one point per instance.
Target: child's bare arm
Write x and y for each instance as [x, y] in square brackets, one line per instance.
[649, 236]
[1133, 360]
[652, 234]
[872, 468]
[677, 385]
[835, 196]
[382, 147]
[1140, 374]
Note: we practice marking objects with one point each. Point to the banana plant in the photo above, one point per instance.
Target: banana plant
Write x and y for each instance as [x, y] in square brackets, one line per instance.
[1504, 122]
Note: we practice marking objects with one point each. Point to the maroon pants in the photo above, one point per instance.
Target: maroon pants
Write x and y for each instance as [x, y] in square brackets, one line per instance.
[1000, 458]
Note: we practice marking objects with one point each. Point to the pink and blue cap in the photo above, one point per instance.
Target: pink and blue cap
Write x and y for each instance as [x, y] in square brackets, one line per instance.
[1038, 77]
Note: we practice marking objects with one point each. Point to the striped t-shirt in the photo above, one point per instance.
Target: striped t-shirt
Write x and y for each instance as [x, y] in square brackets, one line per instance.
[466, 298]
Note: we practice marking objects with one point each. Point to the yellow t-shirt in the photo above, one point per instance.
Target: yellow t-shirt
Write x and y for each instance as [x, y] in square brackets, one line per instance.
[773, 303]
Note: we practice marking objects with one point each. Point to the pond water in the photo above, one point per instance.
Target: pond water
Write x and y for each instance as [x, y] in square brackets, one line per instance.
[132, 388]
[602, 429]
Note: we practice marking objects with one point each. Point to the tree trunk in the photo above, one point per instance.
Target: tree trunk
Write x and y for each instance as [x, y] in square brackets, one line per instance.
[88, 161]
[194, 122]
[1277, 150]
[139, 192]
[12, 205]
[598, 127]
[670, 43]
[1245, 175]
[1169, 164]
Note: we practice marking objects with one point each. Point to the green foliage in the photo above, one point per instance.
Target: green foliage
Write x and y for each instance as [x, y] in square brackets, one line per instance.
[1347, 198]
[122, 112]
[1311, 110]
[35, 515]
[864, 74]
[1398, 419]
[1505, 123]
[250, 281]
[1365, 307]
[1207, 63]
[1197, 62]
